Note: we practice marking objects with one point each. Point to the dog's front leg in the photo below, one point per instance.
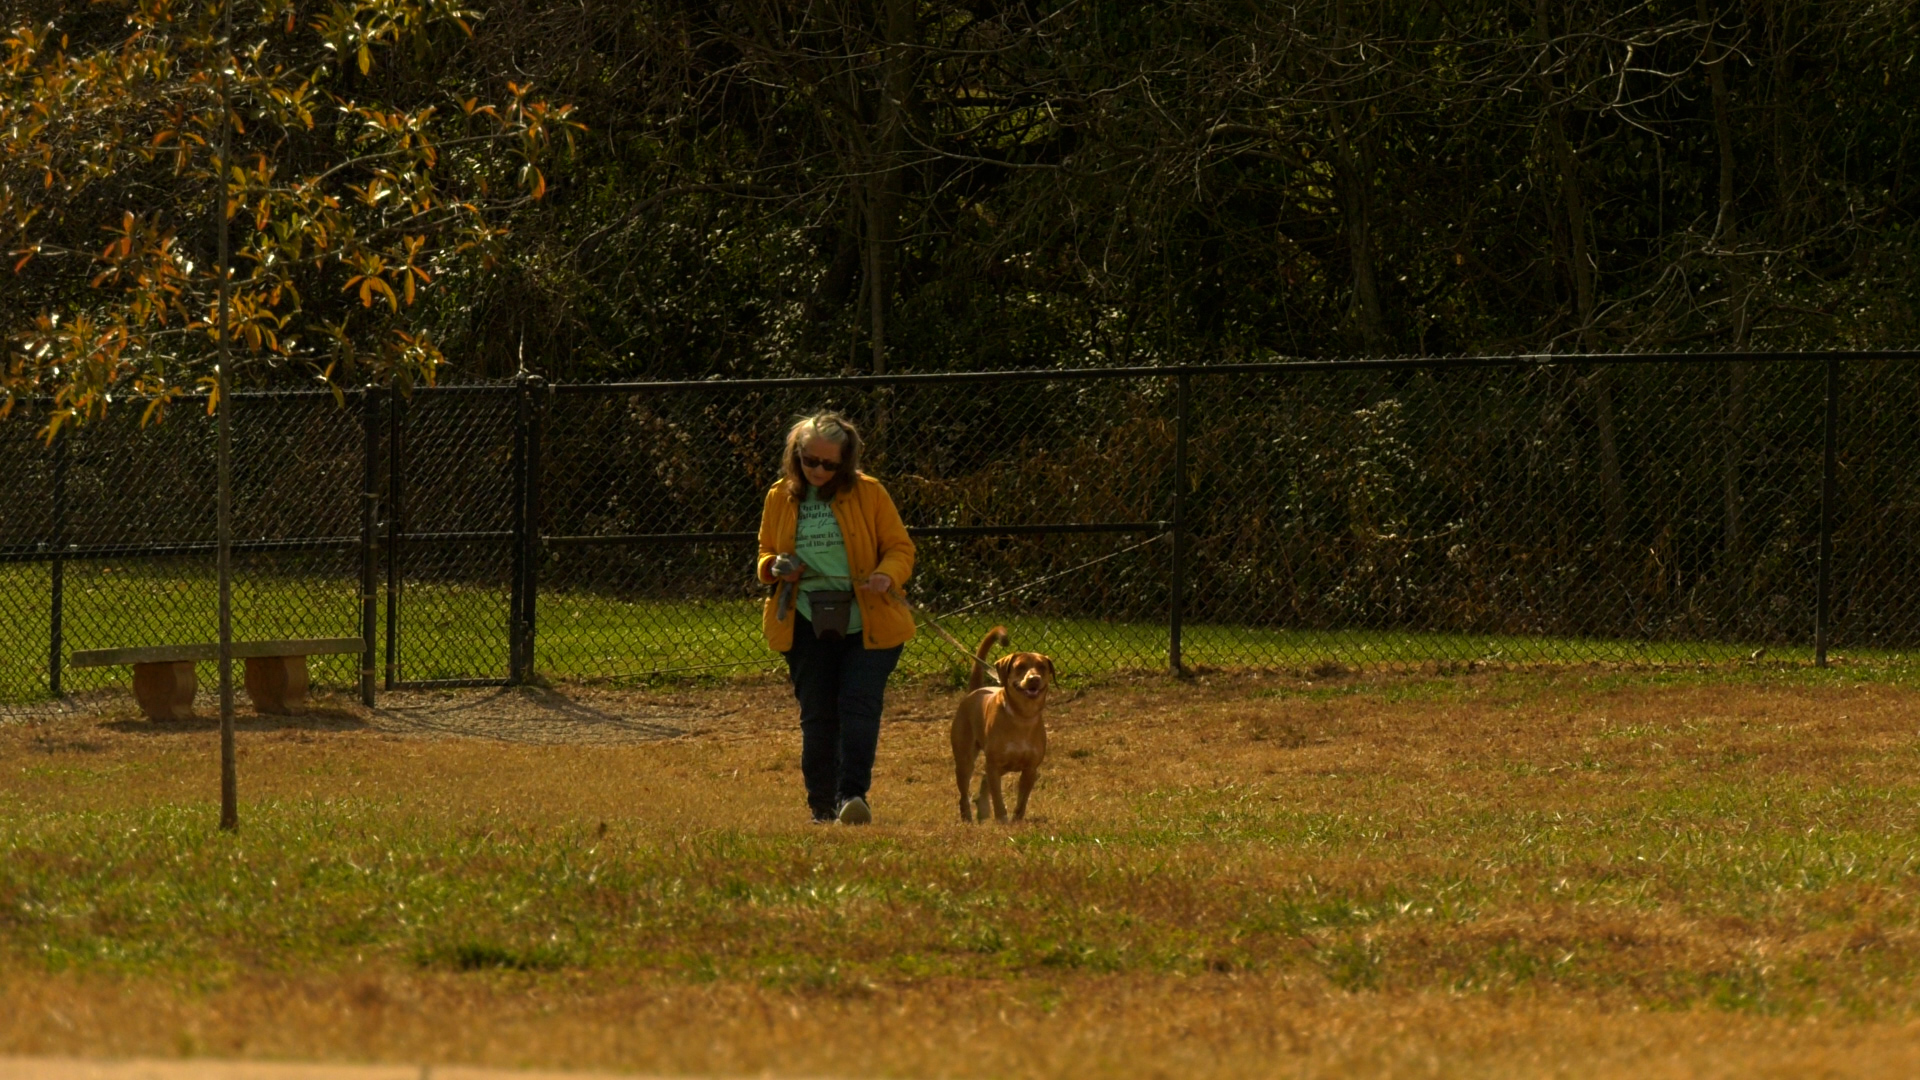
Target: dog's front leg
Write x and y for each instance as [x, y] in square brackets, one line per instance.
[1027, 778]
[999, 804]
[981, 802]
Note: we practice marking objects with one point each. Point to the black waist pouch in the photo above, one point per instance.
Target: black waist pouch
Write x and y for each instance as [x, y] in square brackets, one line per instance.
[831, 611]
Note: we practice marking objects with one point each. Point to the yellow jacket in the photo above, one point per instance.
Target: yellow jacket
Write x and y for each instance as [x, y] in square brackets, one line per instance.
[876, 540]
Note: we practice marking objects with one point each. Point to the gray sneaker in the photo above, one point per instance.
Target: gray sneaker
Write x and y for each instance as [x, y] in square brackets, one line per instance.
[855, 812]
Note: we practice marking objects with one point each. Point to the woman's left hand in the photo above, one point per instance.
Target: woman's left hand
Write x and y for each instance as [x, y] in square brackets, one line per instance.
[878, 582]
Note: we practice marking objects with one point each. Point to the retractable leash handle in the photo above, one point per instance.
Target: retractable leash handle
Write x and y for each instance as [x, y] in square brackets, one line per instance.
[785, 592]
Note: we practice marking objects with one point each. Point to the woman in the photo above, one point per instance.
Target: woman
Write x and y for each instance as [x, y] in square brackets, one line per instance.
[834, 547]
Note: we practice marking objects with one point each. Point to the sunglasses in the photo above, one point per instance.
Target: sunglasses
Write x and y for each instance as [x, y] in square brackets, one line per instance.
[812, 462]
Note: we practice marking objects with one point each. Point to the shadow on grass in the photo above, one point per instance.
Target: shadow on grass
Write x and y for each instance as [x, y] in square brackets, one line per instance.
[491, 956]
[316, 718]
[523, 714]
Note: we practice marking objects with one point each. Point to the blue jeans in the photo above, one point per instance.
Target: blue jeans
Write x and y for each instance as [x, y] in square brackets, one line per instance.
[841, 686]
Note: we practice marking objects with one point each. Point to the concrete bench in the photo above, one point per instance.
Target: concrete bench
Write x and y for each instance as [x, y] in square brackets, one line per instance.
[164, 681]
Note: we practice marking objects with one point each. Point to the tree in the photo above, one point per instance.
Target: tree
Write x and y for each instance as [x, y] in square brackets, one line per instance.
[358, 179]
[355, 185]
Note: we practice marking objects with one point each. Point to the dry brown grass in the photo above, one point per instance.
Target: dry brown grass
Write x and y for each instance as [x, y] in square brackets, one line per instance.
[1578, 873]
[1209, 1027]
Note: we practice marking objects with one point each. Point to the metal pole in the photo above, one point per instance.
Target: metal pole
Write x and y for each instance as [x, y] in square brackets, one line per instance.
[229, 783]
[1823, 616]
[516, 599]
[396, 509]
[56, 629]
[369, 541]
[1177, 586]
[530, 590]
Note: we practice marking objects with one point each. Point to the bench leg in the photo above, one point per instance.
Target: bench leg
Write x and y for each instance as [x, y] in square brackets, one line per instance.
[165, 691]
[278, 684]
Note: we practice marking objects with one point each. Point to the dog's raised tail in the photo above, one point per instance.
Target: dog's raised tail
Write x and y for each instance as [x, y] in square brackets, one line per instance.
[978, 676]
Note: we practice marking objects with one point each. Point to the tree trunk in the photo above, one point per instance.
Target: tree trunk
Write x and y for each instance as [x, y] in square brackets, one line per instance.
[1353, 173]
[1582, 270]
[886, 174]
[1351, 166]
[1574, 202]
[1789, 168]
[223, 495]
[1612, 491]
[1726, 239]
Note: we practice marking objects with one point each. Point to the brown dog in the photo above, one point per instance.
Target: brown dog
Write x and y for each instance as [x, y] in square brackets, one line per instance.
[1006, 723]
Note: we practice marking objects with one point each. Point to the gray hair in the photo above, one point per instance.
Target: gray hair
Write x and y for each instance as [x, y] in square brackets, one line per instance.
[837, 430]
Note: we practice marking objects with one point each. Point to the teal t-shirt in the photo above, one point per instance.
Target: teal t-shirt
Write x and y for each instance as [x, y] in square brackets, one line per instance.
[817, 540]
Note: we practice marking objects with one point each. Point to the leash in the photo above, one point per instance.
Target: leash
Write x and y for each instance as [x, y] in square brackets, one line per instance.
[972, 658]
[784, 598]
[934, 622]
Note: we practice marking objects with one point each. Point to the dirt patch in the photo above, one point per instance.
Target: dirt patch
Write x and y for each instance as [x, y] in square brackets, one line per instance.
[542, 716]
[600, 715]
[534, 715]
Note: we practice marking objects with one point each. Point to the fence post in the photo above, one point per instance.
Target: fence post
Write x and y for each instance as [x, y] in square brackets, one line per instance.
[516, 602]
[1823, 616]
[535, 399]
[396, 506]
[369, 541]
[1176, 598]
[56, 626]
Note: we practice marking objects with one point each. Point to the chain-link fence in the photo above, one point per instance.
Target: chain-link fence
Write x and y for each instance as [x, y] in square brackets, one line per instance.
[1296, 516]
[652, 497]
[107, 538]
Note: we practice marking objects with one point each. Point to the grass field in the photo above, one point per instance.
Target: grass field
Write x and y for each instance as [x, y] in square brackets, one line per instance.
[1568, 871]
[460, 632]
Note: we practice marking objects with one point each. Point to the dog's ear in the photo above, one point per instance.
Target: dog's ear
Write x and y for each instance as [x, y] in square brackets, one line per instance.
[1004, 667]
[1053, 677]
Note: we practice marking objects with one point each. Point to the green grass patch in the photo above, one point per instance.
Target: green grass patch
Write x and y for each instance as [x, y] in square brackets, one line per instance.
[1205, 882]
[457, 631]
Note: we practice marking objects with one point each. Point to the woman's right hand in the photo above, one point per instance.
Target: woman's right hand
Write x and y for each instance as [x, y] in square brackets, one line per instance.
[792, 575]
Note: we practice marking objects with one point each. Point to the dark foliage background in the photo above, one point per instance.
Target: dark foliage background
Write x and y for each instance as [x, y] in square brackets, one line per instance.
[764, 188]
[901, 184]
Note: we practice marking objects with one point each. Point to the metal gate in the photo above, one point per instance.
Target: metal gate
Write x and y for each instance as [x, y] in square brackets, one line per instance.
[454, 506]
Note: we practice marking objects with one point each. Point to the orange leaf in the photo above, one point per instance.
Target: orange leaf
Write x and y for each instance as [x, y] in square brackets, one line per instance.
[393, 301]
